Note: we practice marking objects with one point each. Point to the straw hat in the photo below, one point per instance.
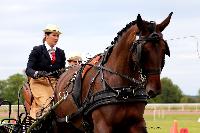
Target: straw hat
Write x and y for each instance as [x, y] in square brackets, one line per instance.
[52, 28]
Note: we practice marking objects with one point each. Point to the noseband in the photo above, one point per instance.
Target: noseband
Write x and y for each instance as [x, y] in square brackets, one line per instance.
[137, 46]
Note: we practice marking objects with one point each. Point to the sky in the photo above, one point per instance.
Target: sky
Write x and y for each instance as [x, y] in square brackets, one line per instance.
[88, 27]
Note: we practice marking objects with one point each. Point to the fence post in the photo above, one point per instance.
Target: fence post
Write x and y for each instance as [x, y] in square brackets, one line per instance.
[154, 114]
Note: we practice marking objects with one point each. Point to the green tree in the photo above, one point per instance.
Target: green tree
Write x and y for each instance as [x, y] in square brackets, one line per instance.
[171, 93]
[185, 99]
[189, 99]
[11, 86]
[3, 84]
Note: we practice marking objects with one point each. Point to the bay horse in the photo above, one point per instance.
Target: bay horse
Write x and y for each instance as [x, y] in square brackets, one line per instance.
[108, 94]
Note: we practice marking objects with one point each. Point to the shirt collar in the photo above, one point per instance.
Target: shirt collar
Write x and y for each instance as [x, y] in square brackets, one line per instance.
[48, 47]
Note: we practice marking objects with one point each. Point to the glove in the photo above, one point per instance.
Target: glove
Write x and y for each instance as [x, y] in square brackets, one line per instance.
[39, 74]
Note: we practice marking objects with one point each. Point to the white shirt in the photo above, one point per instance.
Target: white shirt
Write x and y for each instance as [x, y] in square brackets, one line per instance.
[49, 49]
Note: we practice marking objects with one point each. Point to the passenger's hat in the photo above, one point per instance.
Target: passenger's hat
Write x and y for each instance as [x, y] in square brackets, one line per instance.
[75, 57]
[52, 28]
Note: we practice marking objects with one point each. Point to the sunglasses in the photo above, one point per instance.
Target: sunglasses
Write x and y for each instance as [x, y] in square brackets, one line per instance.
[73, 61]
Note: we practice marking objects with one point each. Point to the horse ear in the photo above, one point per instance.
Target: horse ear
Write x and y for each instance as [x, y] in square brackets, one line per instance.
[139, 22]
[164, 24]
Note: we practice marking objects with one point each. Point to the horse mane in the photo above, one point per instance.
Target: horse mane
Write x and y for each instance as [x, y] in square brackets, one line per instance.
[109, 49]
[119, 34]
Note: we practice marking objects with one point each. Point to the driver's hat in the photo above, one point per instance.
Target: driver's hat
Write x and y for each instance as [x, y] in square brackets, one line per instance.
[52, 28]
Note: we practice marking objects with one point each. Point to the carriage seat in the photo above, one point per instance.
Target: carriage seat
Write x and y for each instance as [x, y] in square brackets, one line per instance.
[28, 97]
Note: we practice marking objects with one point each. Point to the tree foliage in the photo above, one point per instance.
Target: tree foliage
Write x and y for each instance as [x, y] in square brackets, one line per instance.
[2, 86]
[171, 93]
[9, 88]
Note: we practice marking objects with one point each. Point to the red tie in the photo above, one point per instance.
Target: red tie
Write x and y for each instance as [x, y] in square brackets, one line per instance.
[53, 57]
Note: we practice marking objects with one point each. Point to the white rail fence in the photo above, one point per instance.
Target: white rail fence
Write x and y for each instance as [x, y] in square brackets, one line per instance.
[159, 111]
[149, 106]
[154, 106]
[174, 106]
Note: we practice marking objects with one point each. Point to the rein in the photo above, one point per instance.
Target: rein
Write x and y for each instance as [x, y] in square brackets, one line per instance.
[101, 67]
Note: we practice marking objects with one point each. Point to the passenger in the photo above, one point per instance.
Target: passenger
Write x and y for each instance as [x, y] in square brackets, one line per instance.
[75, 59]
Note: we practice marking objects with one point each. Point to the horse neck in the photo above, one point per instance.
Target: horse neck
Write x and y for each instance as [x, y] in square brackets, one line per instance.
[121, 54]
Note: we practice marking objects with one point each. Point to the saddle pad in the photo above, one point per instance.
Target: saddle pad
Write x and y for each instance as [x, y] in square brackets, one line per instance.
[93, 61]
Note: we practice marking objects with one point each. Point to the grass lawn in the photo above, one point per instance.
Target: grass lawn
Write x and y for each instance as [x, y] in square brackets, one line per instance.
[163, 125]
[159, 124]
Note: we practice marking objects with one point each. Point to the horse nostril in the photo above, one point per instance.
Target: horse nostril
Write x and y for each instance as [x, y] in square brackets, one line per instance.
[151, 94]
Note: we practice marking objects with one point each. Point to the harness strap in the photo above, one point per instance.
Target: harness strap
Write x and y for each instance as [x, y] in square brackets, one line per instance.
[152, 71]
[116, 95]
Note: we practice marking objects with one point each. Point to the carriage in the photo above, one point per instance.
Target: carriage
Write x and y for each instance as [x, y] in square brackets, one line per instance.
[109, 92]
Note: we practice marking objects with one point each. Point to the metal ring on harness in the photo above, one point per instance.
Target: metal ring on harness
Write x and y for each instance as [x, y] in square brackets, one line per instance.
[123, 90]
[65, 95]
[133, 91]
[59, 94]
[66, 119]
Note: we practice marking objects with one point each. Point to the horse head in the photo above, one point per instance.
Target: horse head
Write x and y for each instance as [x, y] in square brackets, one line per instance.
[149, 52]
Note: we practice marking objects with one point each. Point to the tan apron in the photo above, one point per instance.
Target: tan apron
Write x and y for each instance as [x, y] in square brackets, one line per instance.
[42, 92]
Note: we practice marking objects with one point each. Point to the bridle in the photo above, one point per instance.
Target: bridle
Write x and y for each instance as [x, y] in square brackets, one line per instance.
[138, 45]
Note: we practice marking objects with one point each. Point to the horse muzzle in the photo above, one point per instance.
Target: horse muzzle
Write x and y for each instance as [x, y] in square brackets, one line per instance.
[153, 86]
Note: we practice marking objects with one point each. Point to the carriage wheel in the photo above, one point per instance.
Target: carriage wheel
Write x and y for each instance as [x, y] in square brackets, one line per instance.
[3, 129]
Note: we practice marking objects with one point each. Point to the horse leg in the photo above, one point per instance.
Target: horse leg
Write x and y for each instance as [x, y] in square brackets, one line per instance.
[140, 127]
[102, 127]
[100, 124]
